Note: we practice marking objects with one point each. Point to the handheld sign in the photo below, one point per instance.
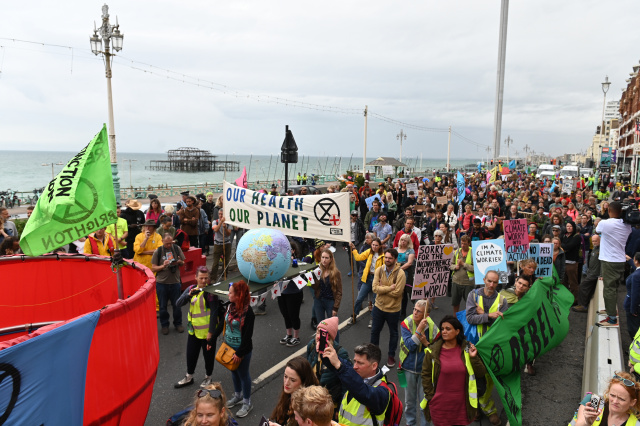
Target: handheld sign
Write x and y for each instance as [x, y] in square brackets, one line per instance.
[543, 255]
[369, 200]
[412, 187]
[432, 271]
[516, 238]
[489, 255]
[567, 186]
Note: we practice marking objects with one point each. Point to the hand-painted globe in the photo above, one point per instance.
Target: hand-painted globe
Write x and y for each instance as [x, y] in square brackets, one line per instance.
[264, 255]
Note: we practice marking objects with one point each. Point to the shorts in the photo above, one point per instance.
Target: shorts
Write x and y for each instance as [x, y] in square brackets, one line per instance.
[460, 293]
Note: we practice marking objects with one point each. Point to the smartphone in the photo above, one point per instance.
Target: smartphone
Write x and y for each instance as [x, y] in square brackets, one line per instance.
[595, 401]
[322, 344]
[264, 421]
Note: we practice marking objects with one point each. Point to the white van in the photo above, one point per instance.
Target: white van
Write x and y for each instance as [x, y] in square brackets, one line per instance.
[585, 172]
[545, 168]
[570, 172]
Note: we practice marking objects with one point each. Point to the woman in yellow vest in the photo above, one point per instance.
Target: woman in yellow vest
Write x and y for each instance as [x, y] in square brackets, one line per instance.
[618, 405]
[449, 372]
[203, 327]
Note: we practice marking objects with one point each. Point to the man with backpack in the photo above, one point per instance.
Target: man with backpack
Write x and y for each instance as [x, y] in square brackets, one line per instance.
[370, 399]
[166, 262]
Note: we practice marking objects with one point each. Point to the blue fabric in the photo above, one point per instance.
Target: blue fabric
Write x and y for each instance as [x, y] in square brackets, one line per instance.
[166, 293]
[470, 331]
[46, 374]
[323, 308]
[632, 300]
[242, 378]
[461, 188]
[415, 357]
[512, 164]
[363, 291]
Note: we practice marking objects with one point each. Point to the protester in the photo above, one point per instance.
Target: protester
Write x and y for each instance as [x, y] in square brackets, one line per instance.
[289, 303]
[221, 245]
[135, 222]
[155, 211]
[122, 234]
[528, 270]
[327, 288]
[327, 377]
[374, 258]
[614, 233]
[558, 257]
[484, 306]
[462, 275]
[203, 327]
[632, 300]
[388, 285]
[517, 292]
[189, 217]
[383, 230]
[312, 406]
[587, 286]
[417, 332]
[165, 263]
[364, 384]
[617, 405]
[10, 246]
[410, 230]
[209, 408]
[100, 243]
[454, 399]
[238, 333]
[297, 374]
[146, 243]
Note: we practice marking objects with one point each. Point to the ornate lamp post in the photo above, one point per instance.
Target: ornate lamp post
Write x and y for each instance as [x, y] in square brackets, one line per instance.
[288, 154]
[107, 34]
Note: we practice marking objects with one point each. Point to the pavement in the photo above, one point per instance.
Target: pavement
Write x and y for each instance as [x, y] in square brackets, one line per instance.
[549, 397]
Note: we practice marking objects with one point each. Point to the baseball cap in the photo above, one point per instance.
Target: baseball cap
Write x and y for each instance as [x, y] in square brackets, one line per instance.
[354, 213]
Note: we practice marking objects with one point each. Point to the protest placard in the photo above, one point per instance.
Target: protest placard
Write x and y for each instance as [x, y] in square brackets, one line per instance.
[489, 255]
[543, 255]
[412, 187]
[387, 170]
[441, 200]
[516, 238]
[369, 200]
[567, 186]
[432, 271]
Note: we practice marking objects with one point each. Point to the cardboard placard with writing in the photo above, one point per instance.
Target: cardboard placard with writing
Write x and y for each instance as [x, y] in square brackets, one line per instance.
[412, 187]
[441, 200]
[432, 271]
[489, 255]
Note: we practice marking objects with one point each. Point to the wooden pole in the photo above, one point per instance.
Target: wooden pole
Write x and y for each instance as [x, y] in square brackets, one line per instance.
[353, 298]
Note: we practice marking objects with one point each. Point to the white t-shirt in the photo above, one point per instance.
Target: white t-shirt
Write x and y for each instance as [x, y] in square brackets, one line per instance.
[613, 238]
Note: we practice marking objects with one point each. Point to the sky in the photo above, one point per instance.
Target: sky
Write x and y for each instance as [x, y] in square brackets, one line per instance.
[228, 76]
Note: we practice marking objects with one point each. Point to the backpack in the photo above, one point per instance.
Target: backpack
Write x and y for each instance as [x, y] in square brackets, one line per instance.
[393, 413]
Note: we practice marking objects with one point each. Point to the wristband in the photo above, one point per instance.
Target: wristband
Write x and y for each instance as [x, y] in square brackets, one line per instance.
[418, 333]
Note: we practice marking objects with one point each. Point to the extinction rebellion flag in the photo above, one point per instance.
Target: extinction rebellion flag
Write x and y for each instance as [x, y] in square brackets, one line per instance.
[79, 200]
[536, 324]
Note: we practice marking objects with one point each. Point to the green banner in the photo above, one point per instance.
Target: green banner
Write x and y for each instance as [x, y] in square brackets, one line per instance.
[530, 328]
[79, 200]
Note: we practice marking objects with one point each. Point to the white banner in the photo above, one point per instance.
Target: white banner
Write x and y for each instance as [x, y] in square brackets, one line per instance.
[324, 216]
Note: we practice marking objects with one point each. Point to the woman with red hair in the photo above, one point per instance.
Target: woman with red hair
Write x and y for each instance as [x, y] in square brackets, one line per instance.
[238, 332]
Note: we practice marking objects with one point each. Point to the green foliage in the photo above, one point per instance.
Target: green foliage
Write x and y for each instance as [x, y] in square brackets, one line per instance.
[20, 224]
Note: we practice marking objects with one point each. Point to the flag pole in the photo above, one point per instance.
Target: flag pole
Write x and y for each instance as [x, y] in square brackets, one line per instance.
[353, 298]
[115, 263]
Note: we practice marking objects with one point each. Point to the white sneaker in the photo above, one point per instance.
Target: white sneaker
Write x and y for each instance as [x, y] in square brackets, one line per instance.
[244, 411]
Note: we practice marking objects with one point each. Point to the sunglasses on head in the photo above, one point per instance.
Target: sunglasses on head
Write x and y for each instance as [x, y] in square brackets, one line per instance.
[626, 382]
[213, 393]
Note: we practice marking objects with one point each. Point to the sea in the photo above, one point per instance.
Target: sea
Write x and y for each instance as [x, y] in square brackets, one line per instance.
[26, 171]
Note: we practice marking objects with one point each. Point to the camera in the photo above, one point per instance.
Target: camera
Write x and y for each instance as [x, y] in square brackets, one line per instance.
[630, 213]
[173, 266]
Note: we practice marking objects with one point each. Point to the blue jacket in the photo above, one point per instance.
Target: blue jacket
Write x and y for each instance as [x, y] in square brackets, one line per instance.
[375, 399]
[632, 301]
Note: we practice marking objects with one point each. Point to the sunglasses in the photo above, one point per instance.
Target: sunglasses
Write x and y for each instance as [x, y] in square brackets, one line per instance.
[626, 382]
[213, 393]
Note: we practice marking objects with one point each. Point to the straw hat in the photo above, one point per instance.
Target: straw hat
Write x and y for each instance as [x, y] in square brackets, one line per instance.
[133, 204]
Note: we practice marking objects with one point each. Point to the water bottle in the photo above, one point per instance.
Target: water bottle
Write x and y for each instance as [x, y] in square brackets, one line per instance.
[402, 380]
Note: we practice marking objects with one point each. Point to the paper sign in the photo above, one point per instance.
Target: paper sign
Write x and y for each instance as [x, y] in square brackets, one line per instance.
[441, 200]
[316, 273]
[543, 255]
[275, 291]
[369, 200]
[387, 170]
[432, 271]
[567, 186]
[412, 187]
[489, 255]
[516, 237]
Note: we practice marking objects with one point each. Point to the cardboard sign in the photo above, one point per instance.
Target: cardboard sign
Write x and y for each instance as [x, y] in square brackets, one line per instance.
[543, 255]
[432, 271]
[567, 185]
[387, 170]
[369, 200]
[489, 255]
[441, 200]
[516, 237]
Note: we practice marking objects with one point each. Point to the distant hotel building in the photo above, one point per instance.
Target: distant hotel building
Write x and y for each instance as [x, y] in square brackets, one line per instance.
[628, 144]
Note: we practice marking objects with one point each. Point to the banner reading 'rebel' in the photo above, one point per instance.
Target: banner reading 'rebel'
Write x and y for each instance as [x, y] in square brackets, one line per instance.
[324, 216]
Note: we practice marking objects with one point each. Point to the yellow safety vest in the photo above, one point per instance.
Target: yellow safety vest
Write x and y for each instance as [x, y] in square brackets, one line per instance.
[473, 386]
[198, 316]
[483, 328]
[411, 325]
[631, 421]
[354, 413]
[468, 260]
[634, 352]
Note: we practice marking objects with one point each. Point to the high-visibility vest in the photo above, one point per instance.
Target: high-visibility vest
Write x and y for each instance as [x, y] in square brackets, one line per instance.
[631, 421]
[468, 260]
[634, 352]
[353, 413]
[483, 328]
[473, 386]
[94, 245]
[411, 325]
[198, 316]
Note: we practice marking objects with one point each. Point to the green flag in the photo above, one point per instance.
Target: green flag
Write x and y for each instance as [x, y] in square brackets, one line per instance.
[79, 200]
[530, 328]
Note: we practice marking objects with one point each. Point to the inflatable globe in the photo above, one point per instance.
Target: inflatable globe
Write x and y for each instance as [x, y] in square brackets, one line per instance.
[263, 255]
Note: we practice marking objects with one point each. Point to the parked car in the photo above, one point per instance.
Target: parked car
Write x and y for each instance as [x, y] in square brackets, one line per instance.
[311, 190]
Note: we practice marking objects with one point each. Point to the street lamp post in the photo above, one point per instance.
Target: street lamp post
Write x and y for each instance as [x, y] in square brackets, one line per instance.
[508, 141]
[401, 136]
[130, 161]
[53, 164]
[108, 34]
[605, 89]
